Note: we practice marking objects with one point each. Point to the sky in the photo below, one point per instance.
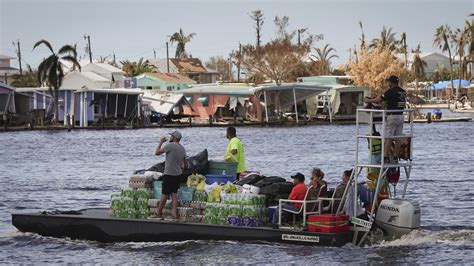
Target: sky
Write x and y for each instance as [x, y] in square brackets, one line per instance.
[132, 29]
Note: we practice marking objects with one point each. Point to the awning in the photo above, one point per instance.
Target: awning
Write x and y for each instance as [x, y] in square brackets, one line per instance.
[301, 91]
[447, 84]
[163, 102]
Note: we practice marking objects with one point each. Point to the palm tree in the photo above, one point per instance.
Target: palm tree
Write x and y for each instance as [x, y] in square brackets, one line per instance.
[362, 37]
[50, 70]
[418, 67]
[441, 39]
[132, 69]
[324, 56]
[386, 39]
[403, 43]
[181, 39]
[470, 33]
[28, 79]
[460, 40]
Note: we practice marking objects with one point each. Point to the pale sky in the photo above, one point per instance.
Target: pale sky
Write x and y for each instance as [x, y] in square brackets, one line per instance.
[133, 28]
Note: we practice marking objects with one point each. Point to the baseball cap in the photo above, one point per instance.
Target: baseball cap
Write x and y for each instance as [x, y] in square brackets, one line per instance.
[393, 79]
[176, 134]
[298, 176]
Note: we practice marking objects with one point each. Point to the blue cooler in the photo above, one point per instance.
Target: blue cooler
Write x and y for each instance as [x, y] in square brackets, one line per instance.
[157, 189]
[186, 193]
[212, 178]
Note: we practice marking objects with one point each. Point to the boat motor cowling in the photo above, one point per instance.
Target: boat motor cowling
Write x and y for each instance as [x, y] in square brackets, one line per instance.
[398, 217]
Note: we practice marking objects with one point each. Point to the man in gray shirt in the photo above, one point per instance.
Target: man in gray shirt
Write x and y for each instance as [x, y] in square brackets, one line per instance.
[174, 163]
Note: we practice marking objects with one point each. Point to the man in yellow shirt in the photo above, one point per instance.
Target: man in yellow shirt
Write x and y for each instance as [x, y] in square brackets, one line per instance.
[235, 151]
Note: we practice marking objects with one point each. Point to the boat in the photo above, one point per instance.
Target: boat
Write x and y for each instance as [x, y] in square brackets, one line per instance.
[99, 225]
[394, 217]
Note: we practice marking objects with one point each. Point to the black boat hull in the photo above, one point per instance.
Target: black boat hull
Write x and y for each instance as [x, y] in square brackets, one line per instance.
[98, 225]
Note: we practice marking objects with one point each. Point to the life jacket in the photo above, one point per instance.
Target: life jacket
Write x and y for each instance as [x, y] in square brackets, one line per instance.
[376, 147]
[393, 175]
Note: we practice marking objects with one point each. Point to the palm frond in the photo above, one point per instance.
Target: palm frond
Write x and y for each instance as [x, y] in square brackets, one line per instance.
[67, 49]
[73, 60]
[46, 43]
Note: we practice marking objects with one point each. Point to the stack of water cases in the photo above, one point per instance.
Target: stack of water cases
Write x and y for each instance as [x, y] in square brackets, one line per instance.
[237, 210]
[130, 204]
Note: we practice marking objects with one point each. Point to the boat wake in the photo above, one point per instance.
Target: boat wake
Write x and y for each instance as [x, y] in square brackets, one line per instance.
[461, 237]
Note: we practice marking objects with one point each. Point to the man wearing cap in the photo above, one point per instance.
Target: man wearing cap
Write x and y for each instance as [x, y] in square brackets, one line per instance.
[298, 192]
[395, 99]
[174, 163]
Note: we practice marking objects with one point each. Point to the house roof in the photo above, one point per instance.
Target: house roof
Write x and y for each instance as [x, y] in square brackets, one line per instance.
[411, 56]
[112, 91]
[90, 76]
[229, 90]
[108, 67]
[172, 77]
[2, 57]
[193, 65]
[160, 65]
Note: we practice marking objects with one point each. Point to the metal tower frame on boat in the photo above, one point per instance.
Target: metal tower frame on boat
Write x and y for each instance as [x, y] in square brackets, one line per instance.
[367, 116]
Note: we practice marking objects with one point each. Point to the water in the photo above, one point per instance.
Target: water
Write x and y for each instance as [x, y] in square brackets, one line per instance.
[80, 169]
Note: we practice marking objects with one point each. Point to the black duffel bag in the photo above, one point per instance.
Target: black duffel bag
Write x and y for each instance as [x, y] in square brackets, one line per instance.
[249, 179]
[269, 180]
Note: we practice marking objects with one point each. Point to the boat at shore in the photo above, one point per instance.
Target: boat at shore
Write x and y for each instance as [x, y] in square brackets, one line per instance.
[386, 216]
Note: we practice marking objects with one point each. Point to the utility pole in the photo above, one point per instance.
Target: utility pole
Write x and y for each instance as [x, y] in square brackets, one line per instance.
[18, 53]
[154, 53]
[230, 67]
[115, 62]
[88, 38]
[238, 63]
[167, 58]
[75, 57]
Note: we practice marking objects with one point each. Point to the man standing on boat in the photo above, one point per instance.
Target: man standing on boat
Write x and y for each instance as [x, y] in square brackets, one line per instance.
[235, 151]
[395, 99]
[174, 163]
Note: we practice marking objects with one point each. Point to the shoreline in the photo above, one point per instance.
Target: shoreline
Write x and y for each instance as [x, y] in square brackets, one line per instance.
[205, 125]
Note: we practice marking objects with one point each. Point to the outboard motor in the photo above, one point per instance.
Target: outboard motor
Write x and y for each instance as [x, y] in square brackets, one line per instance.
[398, 217]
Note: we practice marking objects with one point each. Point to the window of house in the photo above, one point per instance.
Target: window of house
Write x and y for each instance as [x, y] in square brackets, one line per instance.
[190, 100]
[204, 100]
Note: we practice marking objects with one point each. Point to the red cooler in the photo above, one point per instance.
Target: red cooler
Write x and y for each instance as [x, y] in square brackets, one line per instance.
[328, 223]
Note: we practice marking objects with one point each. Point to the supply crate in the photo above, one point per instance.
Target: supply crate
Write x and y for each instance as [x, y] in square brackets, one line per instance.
[222, 168]
[212, 178]
[186, 193]
[328, 223]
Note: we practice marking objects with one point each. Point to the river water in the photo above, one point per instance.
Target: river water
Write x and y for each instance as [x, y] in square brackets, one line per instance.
[43, 170]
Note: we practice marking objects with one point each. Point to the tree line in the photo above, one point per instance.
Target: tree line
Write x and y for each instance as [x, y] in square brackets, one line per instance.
[291, 53]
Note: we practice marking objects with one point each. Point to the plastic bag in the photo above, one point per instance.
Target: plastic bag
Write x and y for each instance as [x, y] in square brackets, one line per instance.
[194, 180]
[215, 194]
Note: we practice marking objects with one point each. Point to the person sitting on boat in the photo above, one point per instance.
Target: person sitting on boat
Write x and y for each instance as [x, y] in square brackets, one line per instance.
[395, 98]
[317, 181]
[235, 151]
[298, 192]
[174, 163]
[339, 191]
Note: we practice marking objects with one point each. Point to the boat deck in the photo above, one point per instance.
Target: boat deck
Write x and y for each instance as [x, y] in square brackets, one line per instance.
[99, 225]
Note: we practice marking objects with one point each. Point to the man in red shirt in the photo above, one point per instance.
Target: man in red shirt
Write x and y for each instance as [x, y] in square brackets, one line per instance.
[297, 193]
